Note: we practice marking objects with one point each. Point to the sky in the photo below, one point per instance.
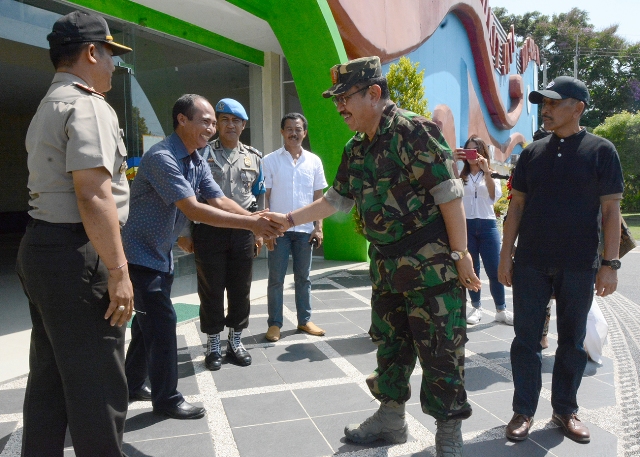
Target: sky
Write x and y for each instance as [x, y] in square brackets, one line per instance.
[602, 13]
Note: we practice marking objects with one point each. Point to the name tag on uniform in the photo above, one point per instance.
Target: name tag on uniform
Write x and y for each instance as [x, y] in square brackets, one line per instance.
[247, 161]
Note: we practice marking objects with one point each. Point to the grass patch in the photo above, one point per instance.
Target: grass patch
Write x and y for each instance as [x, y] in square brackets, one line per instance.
[633, 221]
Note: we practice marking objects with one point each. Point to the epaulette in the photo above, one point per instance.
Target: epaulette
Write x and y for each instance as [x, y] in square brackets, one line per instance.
[254, 150]
[88, 89]
[215, 144]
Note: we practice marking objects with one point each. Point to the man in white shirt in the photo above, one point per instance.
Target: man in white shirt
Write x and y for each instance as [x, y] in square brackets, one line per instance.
[294, 178]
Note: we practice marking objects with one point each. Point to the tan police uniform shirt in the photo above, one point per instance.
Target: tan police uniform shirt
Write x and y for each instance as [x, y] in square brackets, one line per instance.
[235, 173]
[73, 129]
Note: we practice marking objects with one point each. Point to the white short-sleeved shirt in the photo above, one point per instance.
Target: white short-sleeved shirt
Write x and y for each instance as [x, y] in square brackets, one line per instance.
[476, 201]
[293, 184]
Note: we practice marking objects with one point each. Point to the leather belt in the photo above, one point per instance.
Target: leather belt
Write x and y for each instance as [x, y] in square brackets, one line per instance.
[427, 234]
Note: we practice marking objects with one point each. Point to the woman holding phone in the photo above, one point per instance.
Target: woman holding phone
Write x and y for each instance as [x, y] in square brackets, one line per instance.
[481, 191]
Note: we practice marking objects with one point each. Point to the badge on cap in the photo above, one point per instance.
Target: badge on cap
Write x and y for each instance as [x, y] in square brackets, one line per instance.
[247, 161]
[551, 84]
[220, 106]
[334, 75]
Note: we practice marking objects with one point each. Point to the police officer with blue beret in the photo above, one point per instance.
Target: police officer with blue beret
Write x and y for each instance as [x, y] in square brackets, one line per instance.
[224, 257]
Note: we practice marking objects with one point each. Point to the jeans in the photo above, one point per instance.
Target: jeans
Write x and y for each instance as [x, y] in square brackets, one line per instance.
[532, 289]
[296, 243]
[483, 240]
[153, 350]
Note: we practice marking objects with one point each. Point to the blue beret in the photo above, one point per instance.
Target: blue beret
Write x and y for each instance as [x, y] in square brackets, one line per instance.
[231, 106]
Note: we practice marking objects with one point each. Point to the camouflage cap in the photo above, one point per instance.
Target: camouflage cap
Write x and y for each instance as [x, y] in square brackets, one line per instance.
[347, 74]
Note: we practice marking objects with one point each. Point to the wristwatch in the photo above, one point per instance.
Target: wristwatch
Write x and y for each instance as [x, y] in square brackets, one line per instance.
[614, 264]
[459, 255]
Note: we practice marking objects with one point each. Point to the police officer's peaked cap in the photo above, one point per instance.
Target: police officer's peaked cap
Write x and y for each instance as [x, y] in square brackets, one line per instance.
[560, 88]
[81, 27]
[345, 75]
[231, 106]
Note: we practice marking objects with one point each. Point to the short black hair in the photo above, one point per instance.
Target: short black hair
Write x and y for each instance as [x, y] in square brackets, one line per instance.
[185, 105]
[294, 117]
[381, 81]
[66, 55]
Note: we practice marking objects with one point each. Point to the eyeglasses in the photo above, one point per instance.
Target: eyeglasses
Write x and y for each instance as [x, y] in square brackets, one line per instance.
[342, 99]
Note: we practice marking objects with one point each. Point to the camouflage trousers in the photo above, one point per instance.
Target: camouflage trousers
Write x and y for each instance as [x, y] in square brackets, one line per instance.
[418, 309]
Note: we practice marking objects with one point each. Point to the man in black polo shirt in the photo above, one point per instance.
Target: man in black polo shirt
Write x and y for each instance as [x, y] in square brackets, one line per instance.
[563, 187]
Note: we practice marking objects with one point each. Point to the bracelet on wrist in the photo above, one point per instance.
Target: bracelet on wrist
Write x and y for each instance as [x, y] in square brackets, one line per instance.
[290, 219]
[118, 267]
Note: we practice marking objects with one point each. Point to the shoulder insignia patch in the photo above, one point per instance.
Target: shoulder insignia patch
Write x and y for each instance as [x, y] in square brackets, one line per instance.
[88, 89]
[254, 150]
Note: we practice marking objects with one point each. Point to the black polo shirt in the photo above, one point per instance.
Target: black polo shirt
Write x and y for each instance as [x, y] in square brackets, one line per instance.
[563, 179]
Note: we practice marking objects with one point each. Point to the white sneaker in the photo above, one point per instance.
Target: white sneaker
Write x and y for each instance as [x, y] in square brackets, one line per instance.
[503, 316]
[474, 316]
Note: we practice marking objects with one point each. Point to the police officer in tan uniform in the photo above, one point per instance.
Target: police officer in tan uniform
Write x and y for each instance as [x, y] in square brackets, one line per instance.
[71, 262]
[224, 256]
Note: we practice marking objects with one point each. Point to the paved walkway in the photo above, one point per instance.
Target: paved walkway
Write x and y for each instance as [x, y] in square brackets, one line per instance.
[297, 396]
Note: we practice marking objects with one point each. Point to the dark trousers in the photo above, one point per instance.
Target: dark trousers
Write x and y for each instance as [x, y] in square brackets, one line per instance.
[76, 359]
[532, 290]
[153, 350]
[224, 261]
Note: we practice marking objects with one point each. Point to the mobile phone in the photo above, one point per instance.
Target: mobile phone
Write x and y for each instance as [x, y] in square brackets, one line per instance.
[470, 154]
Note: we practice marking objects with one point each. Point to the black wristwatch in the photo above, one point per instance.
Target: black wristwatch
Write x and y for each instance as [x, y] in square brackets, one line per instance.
[614, 264]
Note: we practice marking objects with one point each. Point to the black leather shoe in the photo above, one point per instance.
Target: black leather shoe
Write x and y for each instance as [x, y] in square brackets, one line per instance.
[141, 394]
[240, 356]
[213, 361]
[182, 411]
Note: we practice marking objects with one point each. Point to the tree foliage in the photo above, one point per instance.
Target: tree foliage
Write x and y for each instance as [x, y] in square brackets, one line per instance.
[405, 86]
[623, 130]
[607, 63]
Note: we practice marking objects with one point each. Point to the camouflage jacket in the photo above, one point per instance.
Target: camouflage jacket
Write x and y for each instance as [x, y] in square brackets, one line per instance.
[399, 177]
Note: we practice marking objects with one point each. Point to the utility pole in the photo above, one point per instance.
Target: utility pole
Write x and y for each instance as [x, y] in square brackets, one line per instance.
[575, 60]
[544, 71]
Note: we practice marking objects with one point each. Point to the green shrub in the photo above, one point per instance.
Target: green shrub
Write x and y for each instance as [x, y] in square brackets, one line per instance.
[623, 130]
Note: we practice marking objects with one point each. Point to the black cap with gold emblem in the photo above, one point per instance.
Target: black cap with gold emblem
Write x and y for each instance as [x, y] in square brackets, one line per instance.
[81, 27]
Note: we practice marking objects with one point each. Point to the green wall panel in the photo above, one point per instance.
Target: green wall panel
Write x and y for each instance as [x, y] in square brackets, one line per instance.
[152, 19]
[311, 43]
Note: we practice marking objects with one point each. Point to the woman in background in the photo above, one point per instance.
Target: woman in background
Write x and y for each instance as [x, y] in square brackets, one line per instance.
[481, 191]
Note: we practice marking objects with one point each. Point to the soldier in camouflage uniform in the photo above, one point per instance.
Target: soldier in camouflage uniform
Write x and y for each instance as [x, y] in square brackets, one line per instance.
[397, 169]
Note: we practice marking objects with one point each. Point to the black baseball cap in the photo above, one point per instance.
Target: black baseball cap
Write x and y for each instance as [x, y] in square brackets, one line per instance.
[560, 88]
[81, 27]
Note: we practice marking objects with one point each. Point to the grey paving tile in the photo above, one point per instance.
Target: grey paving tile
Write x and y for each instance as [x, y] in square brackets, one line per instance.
[324, 318]
[483, 380]
[182, 446]
[499, 330]
[187, 383]
[603, 444]
[593, 369]
[312, 370]
[339, 328]
[349, 282]
[298, 438]
[499, 404]
[365, 293]
[262, 409]
[11, 401]
[343, 398]
[332, 295]
[294, 353]
[477, 335]
[332, 428]
[359, 352]
[315, 287]
[361, 317]
[593, 393]
[339, 304]
[490, 349]
[6, 429]
[142, 425]
[234, 378]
